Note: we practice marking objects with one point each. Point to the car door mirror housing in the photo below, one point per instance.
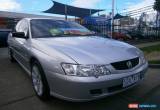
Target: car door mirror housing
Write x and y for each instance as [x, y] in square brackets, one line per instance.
[19, 35]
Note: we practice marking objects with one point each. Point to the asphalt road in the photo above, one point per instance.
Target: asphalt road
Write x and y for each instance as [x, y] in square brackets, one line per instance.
[16, 92]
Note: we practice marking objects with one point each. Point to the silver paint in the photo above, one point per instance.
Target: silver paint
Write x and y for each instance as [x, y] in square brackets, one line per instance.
[51, 52]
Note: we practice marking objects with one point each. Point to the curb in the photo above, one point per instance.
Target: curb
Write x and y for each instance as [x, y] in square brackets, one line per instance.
[154, 66]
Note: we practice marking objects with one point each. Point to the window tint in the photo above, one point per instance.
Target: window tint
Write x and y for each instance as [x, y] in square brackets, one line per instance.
[41, 28]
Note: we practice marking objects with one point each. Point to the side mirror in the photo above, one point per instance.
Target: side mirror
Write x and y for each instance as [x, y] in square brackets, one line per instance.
[19, 35]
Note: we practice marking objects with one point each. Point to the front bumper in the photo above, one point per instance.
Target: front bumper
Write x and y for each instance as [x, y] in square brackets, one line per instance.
[74, 88]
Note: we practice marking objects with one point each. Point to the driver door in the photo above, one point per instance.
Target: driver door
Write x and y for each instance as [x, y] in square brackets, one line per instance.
[22, 44]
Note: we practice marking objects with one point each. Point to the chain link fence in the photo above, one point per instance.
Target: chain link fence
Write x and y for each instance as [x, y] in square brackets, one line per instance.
[127, 28]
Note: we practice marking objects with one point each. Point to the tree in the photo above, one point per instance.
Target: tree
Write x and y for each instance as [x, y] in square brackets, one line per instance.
[157, 5]
[157, 8]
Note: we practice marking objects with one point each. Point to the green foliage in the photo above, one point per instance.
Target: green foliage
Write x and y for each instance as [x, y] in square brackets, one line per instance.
[154, 48]
[157, 5]
[154, 62]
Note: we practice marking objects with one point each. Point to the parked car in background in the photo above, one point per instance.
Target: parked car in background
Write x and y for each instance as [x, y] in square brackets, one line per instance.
[136, 34]
[119, 36]
[4, 36]
[66, 60]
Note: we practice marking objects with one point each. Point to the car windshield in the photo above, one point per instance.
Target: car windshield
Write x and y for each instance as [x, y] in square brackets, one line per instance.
[42, 28]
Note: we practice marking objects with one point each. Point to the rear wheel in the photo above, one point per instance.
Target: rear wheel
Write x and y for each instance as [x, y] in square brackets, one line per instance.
[12, 59]
[39, 81]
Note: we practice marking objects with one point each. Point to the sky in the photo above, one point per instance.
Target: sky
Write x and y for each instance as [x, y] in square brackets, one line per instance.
[37, 6]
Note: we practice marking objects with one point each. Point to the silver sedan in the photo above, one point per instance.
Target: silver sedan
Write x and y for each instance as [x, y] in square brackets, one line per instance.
[66, 60]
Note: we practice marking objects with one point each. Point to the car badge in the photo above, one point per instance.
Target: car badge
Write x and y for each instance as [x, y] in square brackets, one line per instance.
[129, 64]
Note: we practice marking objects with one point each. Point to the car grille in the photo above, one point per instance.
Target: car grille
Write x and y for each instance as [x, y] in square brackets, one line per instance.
[127, 64]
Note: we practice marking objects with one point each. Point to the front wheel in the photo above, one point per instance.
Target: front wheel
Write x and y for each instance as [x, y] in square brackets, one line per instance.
[39, 81]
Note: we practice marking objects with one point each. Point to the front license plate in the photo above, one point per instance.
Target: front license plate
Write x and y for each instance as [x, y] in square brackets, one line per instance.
[131, 80]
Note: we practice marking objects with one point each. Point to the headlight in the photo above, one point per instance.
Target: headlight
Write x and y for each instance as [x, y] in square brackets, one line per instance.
[85, 70]
[142, 58]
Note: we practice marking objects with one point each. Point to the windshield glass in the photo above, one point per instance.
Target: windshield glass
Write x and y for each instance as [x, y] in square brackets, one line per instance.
[41, 28]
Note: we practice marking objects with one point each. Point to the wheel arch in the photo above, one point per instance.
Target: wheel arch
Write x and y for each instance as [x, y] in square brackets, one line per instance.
[34, 59]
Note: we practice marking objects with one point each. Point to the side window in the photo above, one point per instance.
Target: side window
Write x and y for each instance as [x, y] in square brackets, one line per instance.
[22, 26]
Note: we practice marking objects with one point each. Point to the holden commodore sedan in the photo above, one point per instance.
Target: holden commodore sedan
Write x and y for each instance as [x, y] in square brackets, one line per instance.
[66, 60]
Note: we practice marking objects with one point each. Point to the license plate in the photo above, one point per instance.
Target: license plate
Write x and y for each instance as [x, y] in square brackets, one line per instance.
[131, 80]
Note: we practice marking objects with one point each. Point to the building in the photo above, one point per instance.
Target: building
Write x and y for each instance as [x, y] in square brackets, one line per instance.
[9, 19]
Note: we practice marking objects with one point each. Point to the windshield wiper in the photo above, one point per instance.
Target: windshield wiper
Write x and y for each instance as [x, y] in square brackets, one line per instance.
[49, 36]
[64, 35]
[73, 34]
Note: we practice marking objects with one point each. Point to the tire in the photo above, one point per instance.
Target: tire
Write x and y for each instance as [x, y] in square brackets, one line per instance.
[12, 59]
[39, 82]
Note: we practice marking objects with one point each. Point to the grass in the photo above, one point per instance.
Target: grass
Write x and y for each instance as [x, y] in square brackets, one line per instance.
[151, 49]
[154, 62]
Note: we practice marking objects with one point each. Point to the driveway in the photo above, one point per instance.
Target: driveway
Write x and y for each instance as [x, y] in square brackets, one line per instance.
[16, 92]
